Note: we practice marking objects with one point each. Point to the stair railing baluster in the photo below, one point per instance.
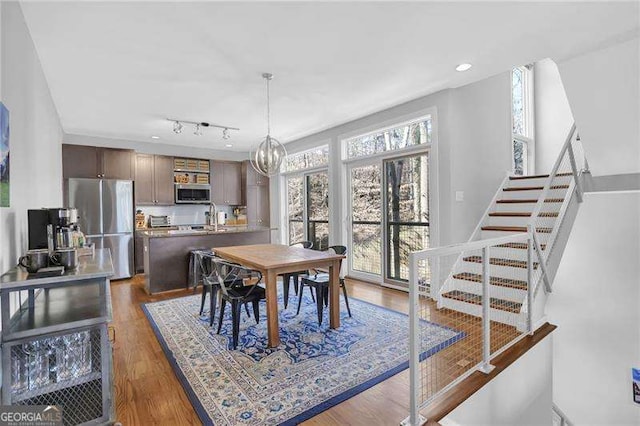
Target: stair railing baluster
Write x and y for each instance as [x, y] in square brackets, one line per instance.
[486, 366]
[530, 285]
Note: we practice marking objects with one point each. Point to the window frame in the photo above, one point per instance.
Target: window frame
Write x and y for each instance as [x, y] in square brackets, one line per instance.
[403, 121]
[528, 106]
[347, 163]
[284, 170]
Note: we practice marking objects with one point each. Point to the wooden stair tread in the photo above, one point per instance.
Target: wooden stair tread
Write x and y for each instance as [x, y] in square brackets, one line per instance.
[537, 176]
[514, 229]
[497, 281]
[522, 214]
[519, 246]
[476, 299]
[530, 200]
[497, 261]
[534, 188]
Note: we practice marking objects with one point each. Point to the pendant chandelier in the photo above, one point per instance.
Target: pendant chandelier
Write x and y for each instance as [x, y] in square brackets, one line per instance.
[270, 153]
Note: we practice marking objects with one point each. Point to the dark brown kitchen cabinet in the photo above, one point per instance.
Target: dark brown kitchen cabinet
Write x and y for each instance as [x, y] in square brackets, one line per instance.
[257, 205]
[117, 164]
[154, 180]
[256, 195]
[80, 161]
[226, 182]
[139, 253]
[252, 177]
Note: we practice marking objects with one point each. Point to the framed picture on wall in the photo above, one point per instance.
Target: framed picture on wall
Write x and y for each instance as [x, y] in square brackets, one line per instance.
[4, 156]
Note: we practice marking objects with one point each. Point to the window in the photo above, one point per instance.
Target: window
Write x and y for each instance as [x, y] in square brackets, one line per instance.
[388, 178]
[317, 157]
[394, 138]
[522, 119]
[307, 183]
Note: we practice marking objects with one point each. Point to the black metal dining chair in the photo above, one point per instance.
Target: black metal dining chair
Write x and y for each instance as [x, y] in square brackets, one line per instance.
[202, 258]
[320, 283]
[238, 286]
[210, 285]
[286, 278]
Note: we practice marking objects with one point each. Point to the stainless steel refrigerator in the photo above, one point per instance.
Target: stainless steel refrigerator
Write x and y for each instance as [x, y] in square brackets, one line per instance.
[105, 210]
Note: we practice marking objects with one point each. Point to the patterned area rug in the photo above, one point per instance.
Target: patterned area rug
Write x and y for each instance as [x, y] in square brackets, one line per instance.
[313, 369]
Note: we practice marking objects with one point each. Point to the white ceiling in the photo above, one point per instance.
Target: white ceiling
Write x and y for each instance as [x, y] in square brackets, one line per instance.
[119, 69]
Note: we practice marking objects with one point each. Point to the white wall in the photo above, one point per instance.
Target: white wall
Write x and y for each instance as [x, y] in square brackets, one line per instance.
[595, 303]
[473, 153]
[519, 395]
[553, 117]
[155, 148]
[480, 121]
[36, 134]
[603, 89]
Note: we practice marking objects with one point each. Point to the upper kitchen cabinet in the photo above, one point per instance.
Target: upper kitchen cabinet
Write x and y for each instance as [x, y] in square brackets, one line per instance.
[226, 182]
[154, 180]
[80, 161]
[252, 177]
[117, 164]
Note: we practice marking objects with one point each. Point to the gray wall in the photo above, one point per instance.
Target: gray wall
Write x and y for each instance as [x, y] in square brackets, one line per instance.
[473, 153]
[36, 134]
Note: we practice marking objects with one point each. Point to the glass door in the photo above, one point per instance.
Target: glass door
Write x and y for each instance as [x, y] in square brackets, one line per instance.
[308, 208]
[365, 256]
[405, 214]
[295, 208]
[318, 209]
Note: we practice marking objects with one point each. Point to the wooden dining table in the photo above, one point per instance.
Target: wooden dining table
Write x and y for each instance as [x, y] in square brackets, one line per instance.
[276, 259]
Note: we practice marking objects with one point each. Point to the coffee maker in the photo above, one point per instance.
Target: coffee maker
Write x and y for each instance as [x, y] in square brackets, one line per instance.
[52, 229]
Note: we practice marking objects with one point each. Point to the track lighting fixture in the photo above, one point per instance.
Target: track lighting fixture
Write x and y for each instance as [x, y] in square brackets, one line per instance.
[178, 125]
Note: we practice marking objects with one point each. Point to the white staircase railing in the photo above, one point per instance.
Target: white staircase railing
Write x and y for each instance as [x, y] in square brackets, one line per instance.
[491, 301]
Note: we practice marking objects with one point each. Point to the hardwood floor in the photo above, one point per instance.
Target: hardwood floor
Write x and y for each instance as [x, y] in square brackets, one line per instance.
[148, 392]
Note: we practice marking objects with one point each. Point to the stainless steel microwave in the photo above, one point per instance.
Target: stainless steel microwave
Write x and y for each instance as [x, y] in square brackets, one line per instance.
[193, 193]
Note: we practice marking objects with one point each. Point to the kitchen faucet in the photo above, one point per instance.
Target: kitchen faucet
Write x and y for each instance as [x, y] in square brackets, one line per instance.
[213, 215]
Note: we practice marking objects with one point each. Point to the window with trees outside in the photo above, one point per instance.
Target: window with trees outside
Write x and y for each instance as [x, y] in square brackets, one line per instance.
[522, 118]
[394, 138]
[389, 200]
[307, 186]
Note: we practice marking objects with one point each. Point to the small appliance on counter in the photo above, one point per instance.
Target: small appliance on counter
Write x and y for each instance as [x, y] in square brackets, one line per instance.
[141, 220]
[162, 221]
[54, 229]
[222, 218]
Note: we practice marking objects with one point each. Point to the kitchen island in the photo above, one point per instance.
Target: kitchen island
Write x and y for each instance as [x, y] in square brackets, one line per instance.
[166, 252]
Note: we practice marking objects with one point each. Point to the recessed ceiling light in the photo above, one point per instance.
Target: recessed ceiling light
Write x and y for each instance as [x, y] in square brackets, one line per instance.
[463, 67]
[155, 137]
[228, 145]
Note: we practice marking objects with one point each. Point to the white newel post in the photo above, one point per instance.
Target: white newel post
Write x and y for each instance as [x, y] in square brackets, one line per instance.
[414, 419]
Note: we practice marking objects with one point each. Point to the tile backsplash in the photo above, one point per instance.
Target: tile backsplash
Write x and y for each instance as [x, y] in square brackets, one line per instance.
[184, 214]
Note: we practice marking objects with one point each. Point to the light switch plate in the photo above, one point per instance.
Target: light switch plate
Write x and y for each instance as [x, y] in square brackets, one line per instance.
[459, 195]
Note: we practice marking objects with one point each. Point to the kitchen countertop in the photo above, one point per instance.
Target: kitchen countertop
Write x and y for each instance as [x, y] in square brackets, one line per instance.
[164, 233]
